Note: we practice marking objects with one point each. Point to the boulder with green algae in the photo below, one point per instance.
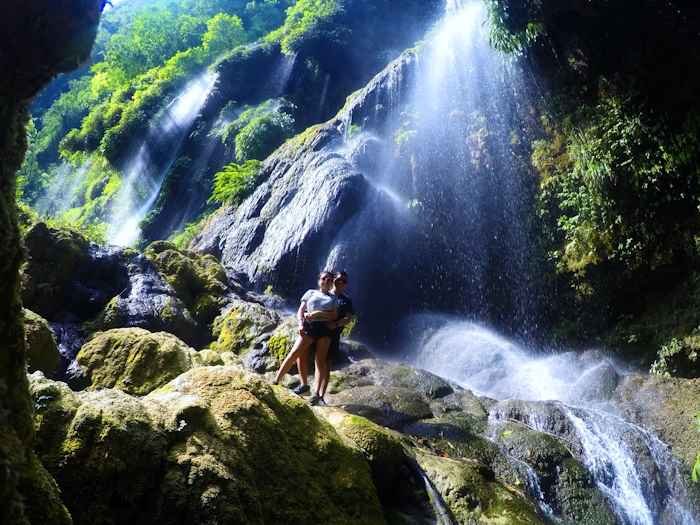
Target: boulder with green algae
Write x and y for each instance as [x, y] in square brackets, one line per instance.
[198, 280]
[472, 496]
[666, 406]
[135, 360]
[564, 481]
[392, 407]
[42, 350]
[243, 327]
[215, 445]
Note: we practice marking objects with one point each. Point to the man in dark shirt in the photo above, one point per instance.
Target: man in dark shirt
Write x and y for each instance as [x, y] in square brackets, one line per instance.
[345, 316]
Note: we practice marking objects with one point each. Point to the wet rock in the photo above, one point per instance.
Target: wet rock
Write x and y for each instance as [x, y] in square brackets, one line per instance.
[199, 281]
[149, 302]
[471, 494]
[309, 192]
[65, 273]
[40, 344]
[565, 483]
[595, 384]
[666, 406]
[244, 327]
[199, 450]
[135, 360]
[391, 407]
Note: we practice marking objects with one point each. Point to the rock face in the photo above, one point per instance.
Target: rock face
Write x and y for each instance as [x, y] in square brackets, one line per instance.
[67, 275]
[135, 360]
[40, 39]
[149, 302]
[42, 351]
[282, 234]
[216, 445]
[666, 406]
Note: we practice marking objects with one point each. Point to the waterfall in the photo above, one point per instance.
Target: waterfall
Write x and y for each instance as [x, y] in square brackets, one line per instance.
[146, 171]
[633, 469]
[446, 227]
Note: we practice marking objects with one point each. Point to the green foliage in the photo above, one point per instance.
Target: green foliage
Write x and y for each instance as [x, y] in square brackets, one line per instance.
[678, 358]
[259, 130]
[513, 27]
[619, 188]
[182, 239]
[29, 174]
[302, 18]
[235, 182]
[224, 32]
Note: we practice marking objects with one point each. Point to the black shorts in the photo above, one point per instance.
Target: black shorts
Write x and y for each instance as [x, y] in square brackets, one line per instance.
[317, 329]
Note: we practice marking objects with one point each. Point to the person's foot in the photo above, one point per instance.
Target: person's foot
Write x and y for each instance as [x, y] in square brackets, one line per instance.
[301, 389]
[314, 400]
[321, 402]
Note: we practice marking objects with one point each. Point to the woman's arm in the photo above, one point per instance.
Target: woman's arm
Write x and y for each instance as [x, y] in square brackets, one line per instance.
[320, 315]
[300, 317]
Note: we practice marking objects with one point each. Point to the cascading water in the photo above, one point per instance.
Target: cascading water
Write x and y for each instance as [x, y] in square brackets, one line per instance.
[145, 172]
[632, 468]
[447, 227]
[446, 230]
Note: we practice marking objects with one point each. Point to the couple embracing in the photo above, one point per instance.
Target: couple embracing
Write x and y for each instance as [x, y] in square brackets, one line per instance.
[322, 315]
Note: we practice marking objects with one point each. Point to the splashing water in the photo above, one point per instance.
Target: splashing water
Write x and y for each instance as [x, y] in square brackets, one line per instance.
[145, 173]
[633, 469]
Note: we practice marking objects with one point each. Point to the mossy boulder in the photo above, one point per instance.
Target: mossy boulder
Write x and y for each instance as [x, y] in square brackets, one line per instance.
[565, 483]
[65, 273]
[391, 407]
[472, 496]
[134, 360]
[243, 327]
[216, 445]
[666, 406]
[41, 347]
[148, 301]
[199, 281]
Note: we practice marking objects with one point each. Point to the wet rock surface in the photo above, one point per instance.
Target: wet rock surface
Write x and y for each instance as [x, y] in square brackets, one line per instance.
[41, 346]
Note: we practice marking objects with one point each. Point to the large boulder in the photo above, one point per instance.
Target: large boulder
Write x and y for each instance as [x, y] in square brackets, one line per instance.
[198, 280]
[472, 496]
[309, 190]
[42, 350]
[67, 274]
[135, 360]
[666, 406]
[244, 326]
[148, 301]
[216, 445]
[565, 483]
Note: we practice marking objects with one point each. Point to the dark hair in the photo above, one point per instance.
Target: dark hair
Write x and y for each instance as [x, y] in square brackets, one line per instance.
[329, 273]
[341, 275]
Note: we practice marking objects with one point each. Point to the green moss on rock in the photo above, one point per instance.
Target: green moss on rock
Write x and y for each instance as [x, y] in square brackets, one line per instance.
[241, 327]
[134, 360]
[472, 496]
[42, 350]
[198, 280]
[216, 445]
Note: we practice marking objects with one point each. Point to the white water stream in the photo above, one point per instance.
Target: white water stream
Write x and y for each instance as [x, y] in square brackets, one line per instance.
[145, 172]
[633, 469]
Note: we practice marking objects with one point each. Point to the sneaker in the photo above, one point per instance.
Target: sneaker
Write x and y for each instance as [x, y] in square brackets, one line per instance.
[322, 402]
[301, 389]
[314, 400]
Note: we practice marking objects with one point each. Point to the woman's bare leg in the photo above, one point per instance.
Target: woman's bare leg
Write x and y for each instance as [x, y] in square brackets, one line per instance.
[303, 366]
[301, 346]
[326, 377]
[321, 361]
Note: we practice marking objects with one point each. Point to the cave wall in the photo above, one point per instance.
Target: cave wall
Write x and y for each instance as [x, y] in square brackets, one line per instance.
[39, 39]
